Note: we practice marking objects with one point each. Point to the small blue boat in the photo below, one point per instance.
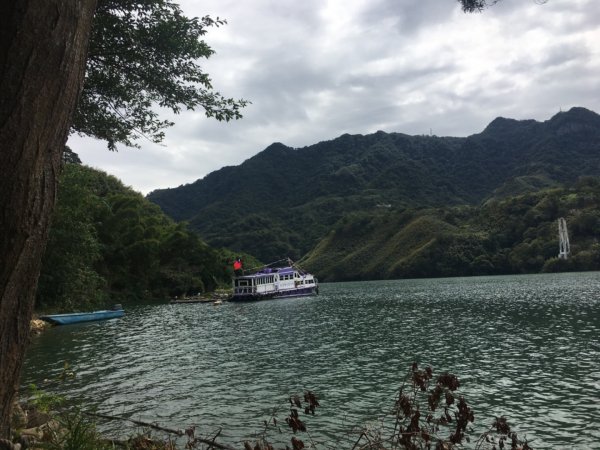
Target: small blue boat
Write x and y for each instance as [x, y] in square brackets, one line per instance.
[67, 319]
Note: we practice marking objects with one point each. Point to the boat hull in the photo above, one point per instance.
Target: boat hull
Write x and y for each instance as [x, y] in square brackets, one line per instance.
[303, 292]
[68, 319]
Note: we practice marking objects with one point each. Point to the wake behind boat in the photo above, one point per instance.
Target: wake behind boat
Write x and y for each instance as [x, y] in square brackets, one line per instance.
[67, 319]
[273, 282]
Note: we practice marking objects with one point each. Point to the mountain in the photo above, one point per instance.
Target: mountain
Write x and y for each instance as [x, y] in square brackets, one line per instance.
[284, 201]
[512, 235]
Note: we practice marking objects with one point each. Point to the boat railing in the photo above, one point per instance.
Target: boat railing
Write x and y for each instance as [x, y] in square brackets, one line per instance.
[245, 290]
[267, 268]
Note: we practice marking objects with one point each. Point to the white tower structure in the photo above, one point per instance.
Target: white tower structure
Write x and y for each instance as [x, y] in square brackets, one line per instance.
[564, 248]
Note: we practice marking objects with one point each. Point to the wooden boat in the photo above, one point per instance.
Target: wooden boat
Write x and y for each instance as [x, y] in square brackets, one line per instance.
[67, 319]
[274, 282]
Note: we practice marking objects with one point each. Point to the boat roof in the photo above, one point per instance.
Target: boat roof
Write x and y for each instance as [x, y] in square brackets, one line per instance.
[269, 271]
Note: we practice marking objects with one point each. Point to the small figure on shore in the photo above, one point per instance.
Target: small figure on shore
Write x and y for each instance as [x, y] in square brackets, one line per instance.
[237, 266]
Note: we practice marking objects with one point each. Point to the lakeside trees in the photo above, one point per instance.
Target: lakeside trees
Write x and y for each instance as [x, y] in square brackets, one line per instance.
[43, 50]
[108, 243]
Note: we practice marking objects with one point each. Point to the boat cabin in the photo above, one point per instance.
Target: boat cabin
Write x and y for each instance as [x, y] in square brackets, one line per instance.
[275, 282]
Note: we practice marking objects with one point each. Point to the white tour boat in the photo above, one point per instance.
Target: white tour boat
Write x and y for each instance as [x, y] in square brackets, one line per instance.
[274, 282]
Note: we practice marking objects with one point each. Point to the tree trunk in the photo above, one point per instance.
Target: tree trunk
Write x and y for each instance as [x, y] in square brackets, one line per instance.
[43, 47]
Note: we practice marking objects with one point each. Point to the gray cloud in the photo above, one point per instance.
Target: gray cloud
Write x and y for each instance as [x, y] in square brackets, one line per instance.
[315, 70]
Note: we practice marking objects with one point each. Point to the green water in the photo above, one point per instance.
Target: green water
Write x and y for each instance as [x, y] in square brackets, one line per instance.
[527, 347]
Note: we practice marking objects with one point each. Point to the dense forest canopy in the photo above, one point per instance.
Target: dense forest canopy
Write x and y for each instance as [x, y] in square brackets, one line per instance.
[108, 244]
[284, 201]
[512, 235]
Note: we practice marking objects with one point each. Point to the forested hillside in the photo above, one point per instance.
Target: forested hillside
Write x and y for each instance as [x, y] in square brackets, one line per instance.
[513, 235]
[283, 201]
[108, 244]
[358, 207]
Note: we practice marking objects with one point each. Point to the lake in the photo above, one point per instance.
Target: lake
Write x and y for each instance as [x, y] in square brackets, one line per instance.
[527, 347]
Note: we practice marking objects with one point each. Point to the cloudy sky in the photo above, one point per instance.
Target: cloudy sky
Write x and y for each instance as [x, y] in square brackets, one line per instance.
[316, 69]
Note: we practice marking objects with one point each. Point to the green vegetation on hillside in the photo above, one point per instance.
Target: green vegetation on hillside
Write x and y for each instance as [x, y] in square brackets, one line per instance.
[284, 201]
[514, 235]
[108, 244]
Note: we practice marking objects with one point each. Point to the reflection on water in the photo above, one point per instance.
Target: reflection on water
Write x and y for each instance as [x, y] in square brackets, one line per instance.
[523, 346]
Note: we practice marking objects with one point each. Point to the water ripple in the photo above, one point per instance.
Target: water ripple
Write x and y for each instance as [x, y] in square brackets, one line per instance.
[526, 347]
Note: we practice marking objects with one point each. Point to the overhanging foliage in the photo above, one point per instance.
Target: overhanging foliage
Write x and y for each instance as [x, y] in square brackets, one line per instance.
[143, 55]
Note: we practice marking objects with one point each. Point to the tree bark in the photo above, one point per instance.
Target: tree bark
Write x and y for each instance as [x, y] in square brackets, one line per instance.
[43, 47]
